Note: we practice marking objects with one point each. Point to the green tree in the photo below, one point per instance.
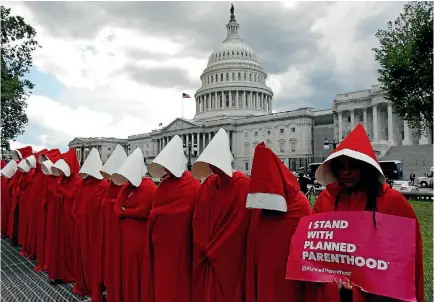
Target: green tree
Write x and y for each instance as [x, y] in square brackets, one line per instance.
[18, 43]
[406, 59]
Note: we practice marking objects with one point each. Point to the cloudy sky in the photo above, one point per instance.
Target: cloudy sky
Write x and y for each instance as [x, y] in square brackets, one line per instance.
[115, 69]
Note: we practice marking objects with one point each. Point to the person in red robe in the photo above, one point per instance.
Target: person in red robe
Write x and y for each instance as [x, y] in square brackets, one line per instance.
[21, 200]
[278, 203]
[19, 182]
[107, 227]
[220, 224]
[8, 172]
[48, 185]
[132, 210]
[86, 212]
[32, 205]
[63, 254]
[355, 182]
[169, 250]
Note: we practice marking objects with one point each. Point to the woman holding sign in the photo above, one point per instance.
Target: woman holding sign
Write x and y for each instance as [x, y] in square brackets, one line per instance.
[355, 182]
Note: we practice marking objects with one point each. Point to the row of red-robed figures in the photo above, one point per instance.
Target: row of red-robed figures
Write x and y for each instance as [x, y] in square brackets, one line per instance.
[224, 239]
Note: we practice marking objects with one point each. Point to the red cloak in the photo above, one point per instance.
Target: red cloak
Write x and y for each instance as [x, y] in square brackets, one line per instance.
[106, 238]
[13, 220]
[12, 226]
[20, 196]
[132, 209]
[48, 185]
[7, 185]
[170, 240]
[278, 203]
[63, 252]
[390, 202]
[37, 190]
[220, 224]
[269, 238]
[24, 200]
[86, 213]
[50, 203]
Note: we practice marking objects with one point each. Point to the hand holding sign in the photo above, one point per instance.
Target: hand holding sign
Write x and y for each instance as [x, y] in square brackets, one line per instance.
[347, 246]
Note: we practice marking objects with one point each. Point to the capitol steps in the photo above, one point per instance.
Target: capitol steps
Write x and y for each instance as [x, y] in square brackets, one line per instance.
[414, 158]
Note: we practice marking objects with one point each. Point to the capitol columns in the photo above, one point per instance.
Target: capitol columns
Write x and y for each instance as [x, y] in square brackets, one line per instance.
[375, 122]
[236, 99]
[407, 135]
[352, 119]
[365, 118]
[244, 99]
[197, 142]
[390, 124]
[340, 125]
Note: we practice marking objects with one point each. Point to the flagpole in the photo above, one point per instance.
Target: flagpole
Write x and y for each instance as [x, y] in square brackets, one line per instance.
[182, 104]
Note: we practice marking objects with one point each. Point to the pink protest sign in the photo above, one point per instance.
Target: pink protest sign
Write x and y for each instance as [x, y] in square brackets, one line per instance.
[346, 245]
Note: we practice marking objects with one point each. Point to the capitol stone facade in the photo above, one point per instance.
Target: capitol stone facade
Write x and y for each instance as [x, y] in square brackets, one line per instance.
[234, 96]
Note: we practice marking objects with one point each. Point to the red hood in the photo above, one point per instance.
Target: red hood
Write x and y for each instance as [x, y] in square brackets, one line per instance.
[70, 157]
[25, 151]
[36, 154]
[53, 155]
[3, 163]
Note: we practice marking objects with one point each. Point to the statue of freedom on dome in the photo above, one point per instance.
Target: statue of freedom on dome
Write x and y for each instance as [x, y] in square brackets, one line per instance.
[232, 14]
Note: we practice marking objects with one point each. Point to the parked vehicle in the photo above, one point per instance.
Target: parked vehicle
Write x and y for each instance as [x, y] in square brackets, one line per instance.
[427, 180]
[404, 186]
[392, 169]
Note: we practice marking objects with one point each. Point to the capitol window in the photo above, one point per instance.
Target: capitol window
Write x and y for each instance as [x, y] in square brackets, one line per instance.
[282, 147]
[256, 133]
[245, 76]
[221, 77]
[227, 77]
[268, 132]
[246, 166]
[293, 129]
[246, 148]
[233, 53]
[282, 131]
[293, 146]
[233, 76]
[255, 77]
[216, 78]
[250, 77]
[246, 134]
[239, 76]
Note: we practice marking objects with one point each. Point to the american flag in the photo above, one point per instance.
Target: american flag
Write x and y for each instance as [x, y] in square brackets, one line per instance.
[185, 96]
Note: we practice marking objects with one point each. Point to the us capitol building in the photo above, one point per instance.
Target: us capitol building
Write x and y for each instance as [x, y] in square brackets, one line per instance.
[234, 96]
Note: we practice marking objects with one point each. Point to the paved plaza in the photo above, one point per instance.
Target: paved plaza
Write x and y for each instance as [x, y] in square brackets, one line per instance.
[19, 282]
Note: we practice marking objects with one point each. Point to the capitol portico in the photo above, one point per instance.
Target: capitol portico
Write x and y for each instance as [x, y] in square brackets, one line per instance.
[234, 96]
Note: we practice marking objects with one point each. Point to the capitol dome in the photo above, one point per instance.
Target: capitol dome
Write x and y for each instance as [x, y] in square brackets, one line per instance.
[233, 83]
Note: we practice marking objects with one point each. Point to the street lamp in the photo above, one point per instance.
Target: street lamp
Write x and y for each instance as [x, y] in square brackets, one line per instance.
[191, 149]
[327, 144]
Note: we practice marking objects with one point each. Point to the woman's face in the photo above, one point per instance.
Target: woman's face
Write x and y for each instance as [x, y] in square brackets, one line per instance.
[348, 170]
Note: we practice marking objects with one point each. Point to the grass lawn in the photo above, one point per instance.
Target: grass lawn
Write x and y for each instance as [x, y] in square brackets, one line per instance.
[424, 211]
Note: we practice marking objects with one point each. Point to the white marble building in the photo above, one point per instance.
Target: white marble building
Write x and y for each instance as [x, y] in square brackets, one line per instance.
[370, 107]
[234, 95]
